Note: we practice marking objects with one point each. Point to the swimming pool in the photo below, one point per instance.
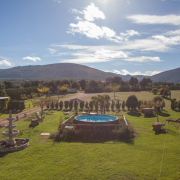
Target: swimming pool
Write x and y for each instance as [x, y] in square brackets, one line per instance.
[96, 122]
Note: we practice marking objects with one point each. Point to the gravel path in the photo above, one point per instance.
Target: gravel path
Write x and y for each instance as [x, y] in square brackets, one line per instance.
[3, 121]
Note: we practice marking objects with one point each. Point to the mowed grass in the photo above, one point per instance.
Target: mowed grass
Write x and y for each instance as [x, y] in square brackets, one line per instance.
[140, 159]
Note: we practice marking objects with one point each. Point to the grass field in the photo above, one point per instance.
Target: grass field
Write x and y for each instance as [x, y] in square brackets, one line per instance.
[141, 159]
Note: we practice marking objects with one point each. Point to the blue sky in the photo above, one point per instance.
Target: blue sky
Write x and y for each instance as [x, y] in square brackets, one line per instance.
[122, 36]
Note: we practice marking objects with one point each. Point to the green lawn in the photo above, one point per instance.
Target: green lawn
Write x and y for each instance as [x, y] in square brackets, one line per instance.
[140, 159]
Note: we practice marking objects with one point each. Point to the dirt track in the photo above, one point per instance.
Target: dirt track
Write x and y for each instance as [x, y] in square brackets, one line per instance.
[31, 111]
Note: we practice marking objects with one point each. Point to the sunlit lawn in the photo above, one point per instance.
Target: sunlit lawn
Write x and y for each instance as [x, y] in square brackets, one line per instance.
[140, 159]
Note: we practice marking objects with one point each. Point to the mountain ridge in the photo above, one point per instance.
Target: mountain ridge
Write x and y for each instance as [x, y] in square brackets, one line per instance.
[77, 72]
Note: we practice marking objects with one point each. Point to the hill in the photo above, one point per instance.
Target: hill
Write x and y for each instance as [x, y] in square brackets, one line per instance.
[55, 71]
[77, 72]
[168, 76]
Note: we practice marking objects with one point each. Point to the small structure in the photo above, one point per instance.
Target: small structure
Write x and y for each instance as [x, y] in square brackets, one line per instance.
[12, 144]
[157, 126]
[148, 112]
[34, 122]
[72, 90]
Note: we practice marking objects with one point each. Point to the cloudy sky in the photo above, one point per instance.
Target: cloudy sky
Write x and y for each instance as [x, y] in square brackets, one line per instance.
[121, 36]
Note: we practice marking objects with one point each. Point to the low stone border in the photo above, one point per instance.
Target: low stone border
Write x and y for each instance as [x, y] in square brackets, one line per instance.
[15, 148]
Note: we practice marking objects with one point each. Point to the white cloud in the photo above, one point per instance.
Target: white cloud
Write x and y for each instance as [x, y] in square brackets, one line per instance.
[126, 72]
[153, 19]
[144, 59]
[150, 44]
[172, 33]
[5, 63]
[90, 13]
[95, 56]
[32, 58]
[91, 30]
[52, 51]
[78, 18]
[175, 40]
[57, 1]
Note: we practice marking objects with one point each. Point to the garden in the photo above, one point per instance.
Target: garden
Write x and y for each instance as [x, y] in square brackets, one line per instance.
[148, 155]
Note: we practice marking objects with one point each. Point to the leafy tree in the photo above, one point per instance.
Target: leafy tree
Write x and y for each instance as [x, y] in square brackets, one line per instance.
[43, 90]
[114, 89]
[167, 93]
[75, 85]
[173, 104]
[63, 89]
[82, 105]
[109, 80]
[178, 105]
[75, 105]
[87, 105]
[154, 90]
[70, 104]
[132, 102]
[107, 105]
[133, 81]
[8, 84]
[158, 103]
[145, 81]
[96, 106]
[123, 105]
[61, 104]
[41, 102]
[83, 84]
[93, 83]
[66, 104]
[102, 104]
[161, 91]
[117, 80]
[118, 105]
[56, 105]
[91, 105]
[52, 105]
[112, 105]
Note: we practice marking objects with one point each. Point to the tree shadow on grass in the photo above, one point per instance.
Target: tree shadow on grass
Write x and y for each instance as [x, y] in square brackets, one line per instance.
[2, 154]
[137, 114]
[177, 110]
[164, 114]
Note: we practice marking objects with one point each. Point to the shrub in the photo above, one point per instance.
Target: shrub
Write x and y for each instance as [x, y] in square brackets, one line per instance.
[173, 104]
[66, 104]
[123, 105]
[112, 105]
[167, 93]
[52, 105]
[132, 102]
[118, 105]
[70, 105]
[61, 104]
[75, 105]
[107, 105]
[86, 105]
[161, 91]
[56, 105]
[158, 103]
[154, 90]
[82, 105]
[91, 105]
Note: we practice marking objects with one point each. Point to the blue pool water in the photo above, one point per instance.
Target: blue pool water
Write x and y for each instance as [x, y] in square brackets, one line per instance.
[96, 118]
